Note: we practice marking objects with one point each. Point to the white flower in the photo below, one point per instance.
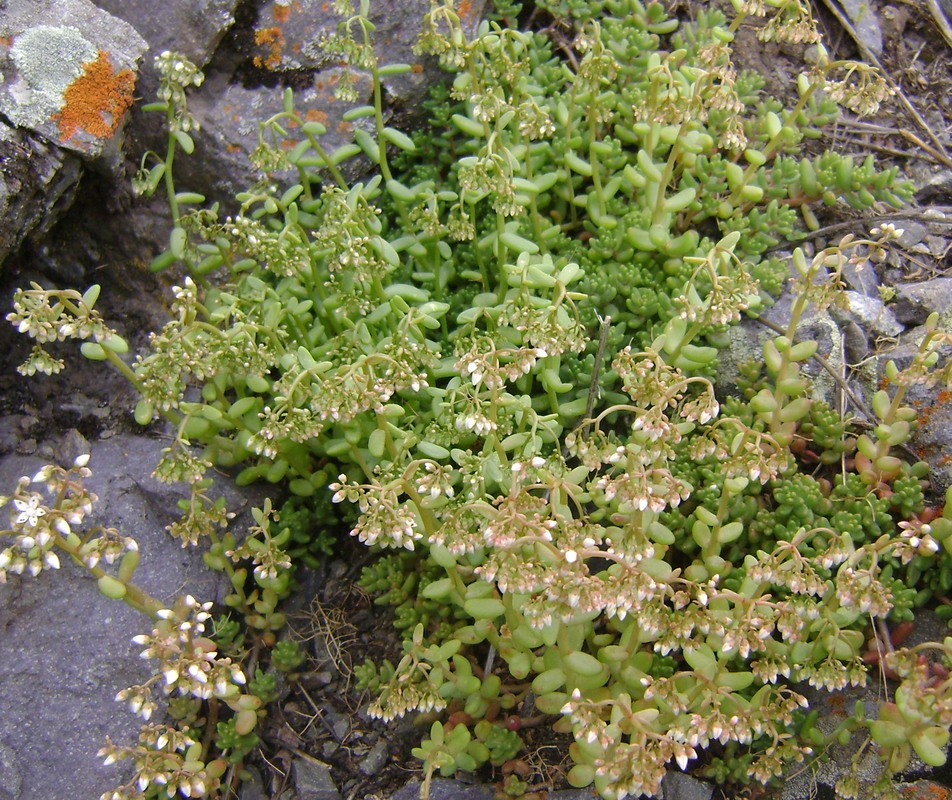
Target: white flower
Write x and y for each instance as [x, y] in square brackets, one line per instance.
[30, 511]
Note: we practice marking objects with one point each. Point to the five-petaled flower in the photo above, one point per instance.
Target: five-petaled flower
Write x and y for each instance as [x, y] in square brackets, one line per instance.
[30, 511]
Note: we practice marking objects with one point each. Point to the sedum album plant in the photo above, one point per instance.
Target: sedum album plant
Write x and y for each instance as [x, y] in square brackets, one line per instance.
[498, 346]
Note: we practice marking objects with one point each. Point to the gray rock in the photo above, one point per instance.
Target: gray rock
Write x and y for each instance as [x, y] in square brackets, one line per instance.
[747, 339]
[865, 23]
[285, 46]
[38, 181]
[936, 188]
[376, 759]
[913, 232]
[252, 786]
[861, 278]
[65, 650]
[313, 781]
[675, 786]
[678, 786]
[445, 789]
[71, 446]
[287, 36]
[871, 314]
[69, 72]
[932, 439]
[191, 27]
[336, 723]
[915, 301]
[821, 777]
[13, 429]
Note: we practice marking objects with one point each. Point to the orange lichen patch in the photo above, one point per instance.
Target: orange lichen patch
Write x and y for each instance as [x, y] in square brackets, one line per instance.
[464, 8]
[95, 102]
[282, 12]
[926, 790]
[233, 148]
[288, 144]
[416, 69]
[315, 115]
[345, 127]
[837, 704]
[926, 409]
[273, 39]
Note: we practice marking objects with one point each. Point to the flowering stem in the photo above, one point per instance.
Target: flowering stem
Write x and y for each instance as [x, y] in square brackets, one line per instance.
[167, 175]
[134, 597]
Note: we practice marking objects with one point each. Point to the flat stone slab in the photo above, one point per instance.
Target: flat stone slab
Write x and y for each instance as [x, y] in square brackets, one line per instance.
[65, 650]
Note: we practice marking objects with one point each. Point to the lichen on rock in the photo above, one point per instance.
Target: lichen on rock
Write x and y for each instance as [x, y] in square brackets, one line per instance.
[48, 59]
[96, 101]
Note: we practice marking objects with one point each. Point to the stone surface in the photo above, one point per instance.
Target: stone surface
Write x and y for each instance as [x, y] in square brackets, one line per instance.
[817, 782]
[69, 73]
[194, 28]
[65, 650]
[915, 301]
[747, 339]
[865, 23]
[678, 786]
[374, 761]
[445, 789]
[870, 314]
[932, 440]
[313, 781]
[284, 42]
[675, 786]
[38, 180]
[249, 51]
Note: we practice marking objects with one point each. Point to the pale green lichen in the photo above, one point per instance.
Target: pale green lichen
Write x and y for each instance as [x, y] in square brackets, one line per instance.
[47, 59]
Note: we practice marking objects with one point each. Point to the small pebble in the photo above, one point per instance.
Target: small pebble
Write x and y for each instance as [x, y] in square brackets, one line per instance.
[26, 447]
[71, 446]
[376, 759]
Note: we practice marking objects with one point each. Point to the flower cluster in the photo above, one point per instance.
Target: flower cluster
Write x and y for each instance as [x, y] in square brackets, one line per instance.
[40, 525]
[861, 89]
[164, 758]
[176, 74]
[385, 519]
[499, 344]
[189, 663]
[55, 316]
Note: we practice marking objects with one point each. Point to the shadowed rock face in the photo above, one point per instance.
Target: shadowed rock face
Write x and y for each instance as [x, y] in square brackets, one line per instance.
[37, 181]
